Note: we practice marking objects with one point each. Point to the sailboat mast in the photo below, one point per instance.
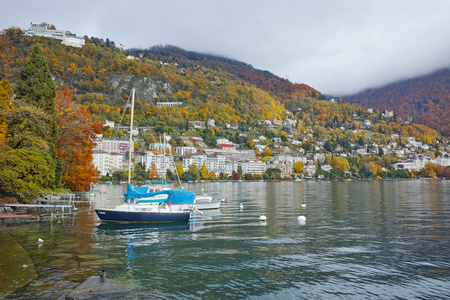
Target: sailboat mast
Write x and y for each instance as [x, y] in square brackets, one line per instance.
[131, 146]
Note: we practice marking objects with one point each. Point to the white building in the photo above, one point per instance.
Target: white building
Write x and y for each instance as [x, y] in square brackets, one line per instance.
[107, 162]
[216, 163]
[112, 145]
[185, 151]
[65, 36]
[326, 168]
[362, 150]
[309, 169]
[162, 163]
[161, 147]
[409, 166]
[443, 160]
[286, 167]
[254, 167]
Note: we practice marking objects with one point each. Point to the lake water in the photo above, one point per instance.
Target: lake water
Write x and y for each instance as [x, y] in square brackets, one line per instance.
[361, 240]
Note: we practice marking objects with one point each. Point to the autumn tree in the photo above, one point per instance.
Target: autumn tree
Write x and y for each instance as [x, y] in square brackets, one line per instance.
[6, 94]
[75, 141]
[298, 166]
[179, 169]
[152, 171]
[339, 163]
[205, 171]
[429, 170]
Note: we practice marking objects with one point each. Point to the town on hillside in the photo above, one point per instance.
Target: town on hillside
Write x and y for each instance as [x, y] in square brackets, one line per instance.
[268, 158]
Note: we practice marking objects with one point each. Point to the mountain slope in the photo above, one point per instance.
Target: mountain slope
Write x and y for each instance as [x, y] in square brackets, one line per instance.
[102, 77]
[202, 86]
[426, 99]
[281, 88]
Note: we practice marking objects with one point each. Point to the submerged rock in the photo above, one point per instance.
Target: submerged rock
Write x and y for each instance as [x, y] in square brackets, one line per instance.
[16, 266]
[97, 287]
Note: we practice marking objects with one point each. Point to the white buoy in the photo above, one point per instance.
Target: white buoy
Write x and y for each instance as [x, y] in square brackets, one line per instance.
[303, 205]
[40, 240]
[263, 218]
[241, 206]
[301, 220]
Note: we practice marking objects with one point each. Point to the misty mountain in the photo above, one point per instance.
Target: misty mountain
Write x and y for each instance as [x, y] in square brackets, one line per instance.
[424, 100]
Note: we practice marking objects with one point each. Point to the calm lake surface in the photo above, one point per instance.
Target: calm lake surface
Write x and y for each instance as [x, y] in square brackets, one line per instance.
[361, 240]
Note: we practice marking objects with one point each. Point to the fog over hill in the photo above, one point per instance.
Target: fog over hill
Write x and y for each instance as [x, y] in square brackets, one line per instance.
[425, 99]
[337, 47]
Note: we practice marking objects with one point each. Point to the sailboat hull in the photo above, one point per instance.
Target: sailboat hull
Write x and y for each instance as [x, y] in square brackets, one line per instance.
[111, 215]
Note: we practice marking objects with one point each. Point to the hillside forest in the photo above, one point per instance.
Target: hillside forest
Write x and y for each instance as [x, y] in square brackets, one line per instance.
[424, 100]
[90, 85]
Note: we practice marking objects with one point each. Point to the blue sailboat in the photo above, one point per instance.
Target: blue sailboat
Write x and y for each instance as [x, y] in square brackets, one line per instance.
[157, 207]
[143, 207]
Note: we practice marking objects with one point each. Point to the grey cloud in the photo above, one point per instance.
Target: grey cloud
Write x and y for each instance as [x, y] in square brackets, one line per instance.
[337, 47]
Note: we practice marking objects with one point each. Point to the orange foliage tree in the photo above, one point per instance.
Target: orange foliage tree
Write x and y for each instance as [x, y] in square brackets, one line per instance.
[74, 142]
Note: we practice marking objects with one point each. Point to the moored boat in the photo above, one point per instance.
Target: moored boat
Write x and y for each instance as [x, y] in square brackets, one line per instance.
[150, 210]
[150, 207]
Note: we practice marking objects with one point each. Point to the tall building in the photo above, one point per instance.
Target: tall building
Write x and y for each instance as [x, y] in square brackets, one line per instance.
[112, 145]
[107, 162]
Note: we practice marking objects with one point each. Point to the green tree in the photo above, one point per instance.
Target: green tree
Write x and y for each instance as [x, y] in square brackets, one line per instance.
[119, 176]
[365, 172]
[170, 176]
[361, 141]
[328, 146]
[35, 85]
[187, 176]
[273, 173]
[26, 126]
[194, 169]
[141, 174]
[24, 173]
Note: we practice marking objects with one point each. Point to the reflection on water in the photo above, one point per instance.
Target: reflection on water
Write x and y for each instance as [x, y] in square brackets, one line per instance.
[370, 239]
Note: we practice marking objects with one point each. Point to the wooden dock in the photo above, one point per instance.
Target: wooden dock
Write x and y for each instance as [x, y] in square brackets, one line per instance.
[49, 206]
[45, 206]
[51, 210]
[4, 217]
[10, 216]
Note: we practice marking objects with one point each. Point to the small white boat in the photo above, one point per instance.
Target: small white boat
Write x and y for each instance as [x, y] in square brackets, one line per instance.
[206, 202]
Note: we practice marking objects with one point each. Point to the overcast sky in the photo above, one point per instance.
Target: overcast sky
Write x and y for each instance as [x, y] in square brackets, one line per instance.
[336, 46]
